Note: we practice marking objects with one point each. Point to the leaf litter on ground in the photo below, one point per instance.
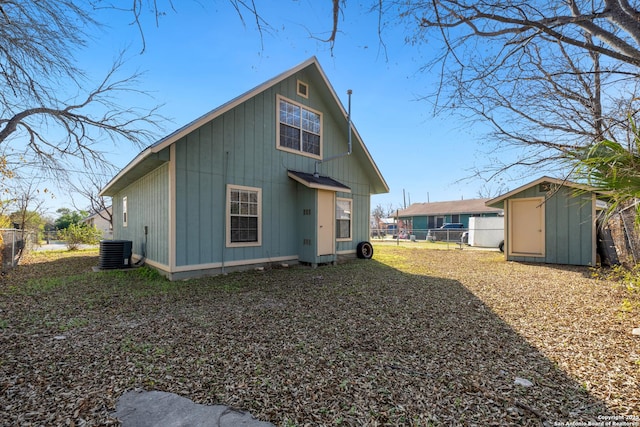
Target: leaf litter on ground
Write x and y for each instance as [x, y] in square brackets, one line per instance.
[441, 340]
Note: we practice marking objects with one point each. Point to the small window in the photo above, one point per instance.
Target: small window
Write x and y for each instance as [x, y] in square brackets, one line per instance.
[303, 89]
[124, 211]
[343, 219]
[299, 128]
[244, 222]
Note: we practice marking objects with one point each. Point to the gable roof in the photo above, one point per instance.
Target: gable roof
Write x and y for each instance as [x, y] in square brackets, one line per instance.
[151, 156]
[498, 201]
[470, 206]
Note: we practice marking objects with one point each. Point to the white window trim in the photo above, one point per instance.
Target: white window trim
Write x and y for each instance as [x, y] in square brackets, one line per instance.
[291, 150]
[125, 213]
[350, 238]
[230, 244]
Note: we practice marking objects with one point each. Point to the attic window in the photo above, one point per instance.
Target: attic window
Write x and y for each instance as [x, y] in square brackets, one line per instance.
[303, 89]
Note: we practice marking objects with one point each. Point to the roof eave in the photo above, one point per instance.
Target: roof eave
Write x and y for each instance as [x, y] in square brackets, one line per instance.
[500, 199]
[195, 124]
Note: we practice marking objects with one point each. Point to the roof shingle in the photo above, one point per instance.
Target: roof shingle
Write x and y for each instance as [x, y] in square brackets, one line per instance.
[471, 206]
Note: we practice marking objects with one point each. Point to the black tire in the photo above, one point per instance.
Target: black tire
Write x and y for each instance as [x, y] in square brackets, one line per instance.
[364, 250]
[501, 246]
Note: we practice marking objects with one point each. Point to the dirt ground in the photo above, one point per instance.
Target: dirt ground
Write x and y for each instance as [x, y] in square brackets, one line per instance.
[412, 337]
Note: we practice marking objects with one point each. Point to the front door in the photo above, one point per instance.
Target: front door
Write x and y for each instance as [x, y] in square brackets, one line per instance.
[326, 221]
[526, 227]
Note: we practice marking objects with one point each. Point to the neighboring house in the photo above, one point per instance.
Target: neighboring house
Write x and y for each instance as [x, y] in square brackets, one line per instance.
[98, 220]
[382, 227]
[421, 217]
[550, 220]
[277, 175]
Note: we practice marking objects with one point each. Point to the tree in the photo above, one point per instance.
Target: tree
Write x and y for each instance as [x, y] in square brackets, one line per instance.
[44, 124]
[547, 76]
[612, 167]
[89, 188]
[68, 217]
[25, 204]
[488, 191]
[379, 213]
[76, 234]
[612, 25]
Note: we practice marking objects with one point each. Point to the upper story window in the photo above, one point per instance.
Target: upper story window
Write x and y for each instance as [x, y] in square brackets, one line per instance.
[299, 128]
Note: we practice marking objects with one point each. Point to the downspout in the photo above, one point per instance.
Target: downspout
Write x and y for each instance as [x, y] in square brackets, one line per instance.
[315, 172]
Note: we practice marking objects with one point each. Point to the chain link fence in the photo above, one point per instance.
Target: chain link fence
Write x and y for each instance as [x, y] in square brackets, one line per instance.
[13, 243]
[477, 237]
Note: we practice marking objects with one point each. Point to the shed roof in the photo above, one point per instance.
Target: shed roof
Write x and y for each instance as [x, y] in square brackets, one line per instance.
[470, 206]
[498, 201]
[152, 156]
[318, 181]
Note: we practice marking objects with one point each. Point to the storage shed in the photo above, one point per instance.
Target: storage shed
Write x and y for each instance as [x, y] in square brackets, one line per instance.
[549, 220]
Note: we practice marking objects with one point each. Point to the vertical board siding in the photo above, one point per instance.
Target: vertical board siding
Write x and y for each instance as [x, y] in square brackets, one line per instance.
[147, 205]
[239, 148]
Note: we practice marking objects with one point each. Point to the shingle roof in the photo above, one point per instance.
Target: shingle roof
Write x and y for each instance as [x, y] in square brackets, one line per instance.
[322, 182]
[471, 206]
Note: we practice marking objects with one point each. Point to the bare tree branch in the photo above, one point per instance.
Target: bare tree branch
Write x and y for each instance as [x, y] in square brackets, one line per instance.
[42, 120]
[547, 76]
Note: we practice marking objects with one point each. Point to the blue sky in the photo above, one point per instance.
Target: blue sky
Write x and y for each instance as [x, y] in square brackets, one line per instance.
[202, 55]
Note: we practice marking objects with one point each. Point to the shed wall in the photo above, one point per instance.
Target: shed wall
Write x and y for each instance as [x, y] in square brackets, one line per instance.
[569, 226]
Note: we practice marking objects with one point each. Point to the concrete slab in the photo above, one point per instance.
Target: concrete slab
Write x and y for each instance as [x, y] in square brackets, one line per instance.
[159, 408]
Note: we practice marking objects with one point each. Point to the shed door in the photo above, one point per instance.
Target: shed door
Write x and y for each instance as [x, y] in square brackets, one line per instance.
[526, 227]
[326, 213]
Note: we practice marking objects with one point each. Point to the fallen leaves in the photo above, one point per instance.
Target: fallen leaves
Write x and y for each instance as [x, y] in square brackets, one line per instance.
[439, 341]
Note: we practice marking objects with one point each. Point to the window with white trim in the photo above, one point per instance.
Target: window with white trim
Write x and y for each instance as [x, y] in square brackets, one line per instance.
[343, 218]
[303, 89]
[299, 128]
[244, 222]
[124, 211]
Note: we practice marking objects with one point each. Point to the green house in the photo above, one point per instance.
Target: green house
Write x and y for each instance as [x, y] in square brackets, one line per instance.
[551, 221]
[419, 218]
[277, 175]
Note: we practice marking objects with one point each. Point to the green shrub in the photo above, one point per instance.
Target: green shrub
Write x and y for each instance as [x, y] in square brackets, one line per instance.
[77, 234]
